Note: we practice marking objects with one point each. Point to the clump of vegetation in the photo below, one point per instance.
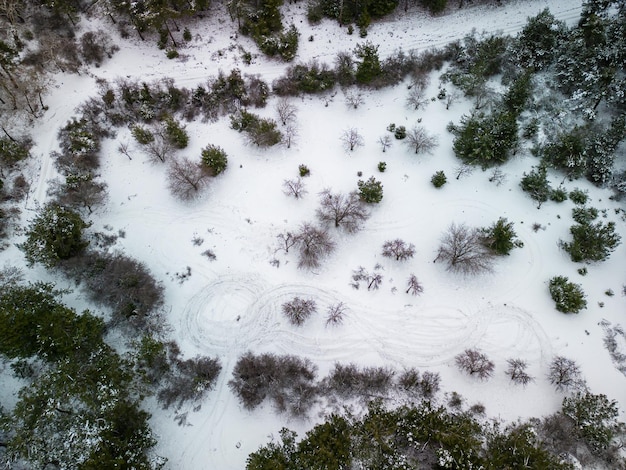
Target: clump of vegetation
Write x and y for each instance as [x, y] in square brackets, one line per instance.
[370, 191]
[439, 179]
[568, 297]
[591, 242]
[214, 159]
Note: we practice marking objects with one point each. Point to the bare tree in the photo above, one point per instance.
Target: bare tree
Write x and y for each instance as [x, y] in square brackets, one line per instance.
[475, 363]
[79, 191]
[336, 314]
[416, 98]
[314, 244]
[354, 100]
[374, 281]
[352, 139]
[290, 133]
[124, 150]
[497, 176]
[398, 249]
[342, 210]
[464, 170]
[385, 141]
[185, 178]
[517, 372]
[287, 240]
[286, 111]
[160, 149]
[463, 251]
[565, 374]
[451, 98]
[297, 310]
[419, 140]
[414, 287]
[294, 188]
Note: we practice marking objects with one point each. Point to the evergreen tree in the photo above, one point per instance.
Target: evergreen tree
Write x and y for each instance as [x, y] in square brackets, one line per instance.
[369, 68]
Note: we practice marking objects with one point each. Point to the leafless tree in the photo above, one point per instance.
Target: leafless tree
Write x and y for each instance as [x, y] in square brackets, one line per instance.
[290, 134]
[124, 150]
[352, 139]
[451, 98]
[287, 240]
[294, 188]
[286, 111]
[297, 310]
[565, 374]
[398, 249]
[475, 363]
[185, 178]
[416, 98]
[160, 149]
[414, 287]
[430, 384]
[342, 210]
[517, 372]
[464, 170]
[463, 251]
[419, 140]
[354, 100]
[497, 176]
[79, 191]
[374, 281]
[385, 142]
[336, 314]
[313, 244]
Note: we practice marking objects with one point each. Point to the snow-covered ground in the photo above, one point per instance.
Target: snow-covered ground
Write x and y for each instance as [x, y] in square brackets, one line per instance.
[232, 305]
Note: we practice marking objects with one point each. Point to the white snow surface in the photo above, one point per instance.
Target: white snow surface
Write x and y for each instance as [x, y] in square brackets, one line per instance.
[232, 305]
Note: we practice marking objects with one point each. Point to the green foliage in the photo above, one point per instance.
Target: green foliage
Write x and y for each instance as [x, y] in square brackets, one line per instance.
[12, 152]
[594, 417]
[285, 44]
[305, 78]
[142, 135]
[54, 235]
[569, 297]
[303, 170]
[214, 159]
[382, 166]
[485, 140]
[501, 238]
[536, 184]
[368, 68]
[584, 215]
[370, 191]
[537, 43]
[176, 133]
[261, 132]
[34, 323]
[434, 6]
[399, 132]
[592, 242]
[187, 34]
[578, 196]
[567, 153]
[439, 179]
[518, 94]
[559, 194]
[172, 54]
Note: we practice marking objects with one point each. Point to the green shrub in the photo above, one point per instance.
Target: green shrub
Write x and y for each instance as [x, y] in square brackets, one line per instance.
[303, 170]
[592, 242]
[370, 191]
[187, 34]
[142, 135]
[439, 179]
[382, 166]
[559, 194]
[172, 54]
[399, 132]
[214, 159]
[584, 215]
[569, 297]
[578, 196]
[501, 238]
[176, 133]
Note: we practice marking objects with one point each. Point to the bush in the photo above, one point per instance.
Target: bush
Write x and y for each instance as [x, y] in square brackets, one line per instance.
[399, 132]
[370, 191]
[592, 242]
[176, 133]
[382, 166]
[298, 310]
[214, 159]
[56, 234]
[398, 249]
[565, 374]
[12, 151]
[536, 184]
[558, 195]
[439, 179]
[463, 251]
[342, 210]
[584, 215]
[569, 297]
[434, 6]
[142, 135]
[500, 238]
[303, 170]
[578, 196]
